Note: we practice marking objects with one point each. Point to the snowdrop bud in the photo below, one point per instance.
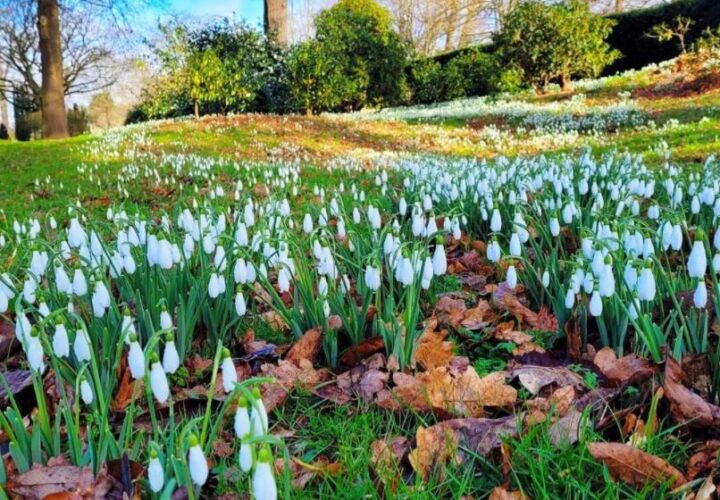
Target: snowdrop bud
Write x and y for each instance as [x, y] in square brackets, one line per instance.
[283, 280]
[240, 307]
[165, 318]
[700, 295]
[515, 247]
[493, 251]
[511, 277]
[715, 263]
[258, 417]
[546, 279]
[242, 418]
[554, 226]
[630, 276]
[86, 392]
[61, 343]
[307, 224]
[372, 277]
[136, 358]
[570, 298]
[158, 380]
[596, 305]
[439, 260]
[263, 482]
[697, 260]
[156, 475]
[171, 358]
[646, 284]
[35, 352]
[495, 221]
[81, 345]
[79, 283]
[197, 463]
[228, 371]
[676, 237]
[245, 457]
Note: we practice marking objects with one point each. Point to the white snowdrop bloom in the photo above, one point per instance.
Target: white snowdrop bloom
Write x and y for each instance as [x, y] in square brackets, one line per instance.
[62, 280]
[356, 215]
[214, 285]
[79, 283]
[307, 224]
[249, 215]
[245, 456]
[158, 380]
[81, 345]
[38, 263]
[554, 227]
[86, 392]
[695, 205]
[439, 260]
[646, 284]
[372, 277]
[493, 251]
[570, 298]
[136, 359]
[402, 207]
[700, 295]
[240, 271]
[156, 475]
[228, 371]
[263, 481]
[697, 260]
[634, 308]
[29, 288]
[587, 248]
[322, 287]
[545, 279]
[405, 272]
[326, 308]
[648, 248]
[208, 244]
[258, 416]
[166, 322]
[197, 463]
[171, 358]
[653, 212]
[588, 283]
[595, 307]
[520, 227]
[76, 234]
[676, 238]
[598, 263]
[34, 351]
[240, 306]
[715, 264]
[495, 221]
[61, 343]
[606, 281]
[511, 277]
[129, 264]
[241, 423]
[283, 280]
[22, 327]
[44, 309]
[630, 276]
[515, 247]
[427, 273]
[165, 254]
[241, 235]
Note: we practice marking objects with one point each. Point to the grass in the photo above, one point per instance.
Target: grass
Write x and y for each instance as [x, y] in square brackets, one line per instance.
[43, 177]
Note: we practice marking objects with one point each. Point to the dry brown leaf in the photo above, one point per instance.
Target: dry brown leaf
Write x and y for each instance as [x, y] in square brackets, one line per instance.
[562, 399]
[534, 378]
[566, 430]
[627, 370]
[703, 460]
[307, 347]
[500, 493]
[40, 482]
[635, 467]
[441, 442]
[433, 350]
[450, 311]
[523, 341]
[478, 317]
[128, 389]
[286, 375]
[573, 338]
[302, 473]
[355, 354]
[386, 458]
[686, 407]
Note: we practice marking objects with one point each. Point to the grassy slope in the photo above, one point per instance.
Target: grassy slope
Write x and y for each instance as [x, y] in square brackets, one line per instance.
[344, 434]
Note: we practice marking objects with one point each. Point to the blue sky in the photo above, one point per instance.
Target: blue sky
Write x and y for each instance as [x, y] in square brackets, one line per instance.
[249, 10]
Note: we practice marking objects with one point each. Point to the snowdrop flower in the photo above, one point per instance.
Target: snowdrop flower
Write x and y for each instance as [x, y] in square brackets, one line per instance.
[86, 392]
[646, 284]
[215, 285]
[79, 283]
[570, 298]
[158, 380]
[263, 481]
[546, 279]
[283, 280]
[515, 248]
[554, 227]
[81, 345]
[495, 221]
[166, 322]
[606, 280]
[427, 273]
[197, 463]
[697, 260]
[242, 418]
[630, 276]
[439, 260]
[136, 358]
[700, 295]
[307, 224]
[240, 307]
[171, 358]
[258, 417]
[595, 307]
[511, 277]
[35, 352]
[61, 343]
[634, 308]
[228, 371]
[493, 251]
[156, 475]
[372, 277]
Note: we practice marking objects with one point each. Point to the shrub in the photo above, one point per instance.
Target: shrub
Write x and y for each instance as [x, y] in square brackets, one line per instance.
[312, 79]
[357, 35]
[555, 41]
[471, 73]
[78, 120]
[4, 135]
[426, 81]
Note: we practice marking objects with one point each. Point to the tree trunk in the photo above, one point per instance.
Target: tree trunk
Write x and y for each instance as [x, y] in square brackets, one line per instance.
[4, 114]
[619, 6]
[276, 20]
[197, 110]
[566, 82]
[52, 93]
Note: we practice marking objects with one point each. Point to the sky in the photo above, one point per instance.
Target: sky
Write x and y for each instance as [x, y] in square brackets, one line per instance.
[249, 10]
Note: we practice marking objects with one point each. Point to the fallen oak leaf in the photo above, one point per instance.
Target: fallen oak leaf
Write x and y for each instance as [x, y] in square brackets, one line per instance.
[437, 444]
[478, 317]
[355, 354]
[628, 370]
[307, 347]
[500, 493]
[433, 350]
[635, 467]
[534, 377]
[686, 407]
[386, 459]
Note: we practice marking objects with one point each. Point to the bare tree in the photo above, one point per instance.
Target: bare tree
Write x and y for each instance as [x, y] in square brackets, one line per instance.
[276, 19]
[4, 114]
[52, 91]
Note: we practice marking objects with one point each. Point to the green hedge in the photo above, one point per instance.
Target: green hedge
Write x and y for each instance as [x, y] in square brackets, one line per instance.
[638, 50]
